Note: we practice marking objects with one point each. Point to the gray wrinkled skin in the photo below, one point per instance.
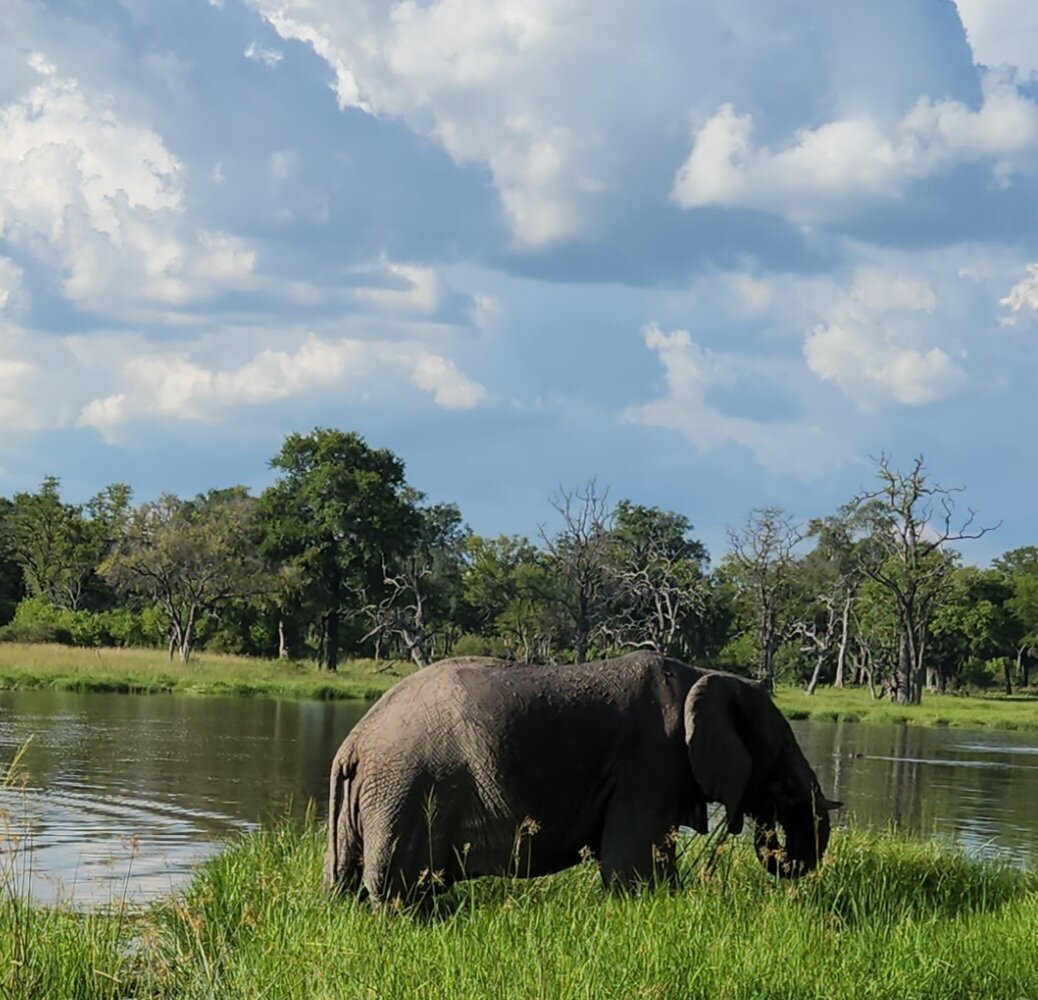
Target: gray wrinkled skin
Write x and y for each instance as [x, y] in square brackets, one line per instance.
[483, 767]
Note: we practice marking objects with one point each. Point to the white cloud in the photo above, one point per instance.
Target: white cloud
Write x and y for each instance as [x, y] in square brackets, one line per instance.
[836, 170]
[572, 108]
[101, 199]
[399, 287]
[175, 386]
[869, 368]
[269, 57]
[691, 372]
[450, 388]
[1023, 295]
[1002, 32]
[872, 344]
[10, 283]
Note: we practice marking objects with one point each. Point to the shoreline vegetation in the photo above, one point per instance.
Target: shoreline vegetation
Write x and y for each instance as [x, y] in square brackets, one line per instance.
[150, 671]
[883, 917]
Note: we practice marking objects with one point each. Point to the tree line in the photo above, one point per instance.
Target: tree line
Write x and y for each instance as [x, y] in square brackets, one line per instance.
[341, 556]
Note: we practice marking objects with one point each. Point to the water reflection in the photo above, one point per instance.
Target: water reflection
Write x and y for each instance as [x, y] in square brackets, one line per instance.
[125, 793]
[974, 789]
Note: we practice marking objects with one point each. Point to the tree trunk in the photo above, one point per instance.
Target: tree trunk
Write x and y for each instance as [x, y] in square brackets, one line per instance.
[331, 652]
[841, 653]
[902, 686]
[1008, 677]
[282, 645]
[813, 683]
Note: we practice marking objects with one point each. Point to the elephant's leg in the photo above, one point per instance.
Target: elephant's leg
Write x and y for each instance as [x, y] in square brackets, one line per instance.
[406, 866]
[637, 849]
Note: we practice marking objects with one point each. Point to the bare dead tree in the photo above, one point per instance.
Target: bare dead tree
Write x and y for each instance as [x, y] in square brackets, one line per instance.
[658, 587]
[761, 558]
[401, 611]
[910, 523]
[579, 553]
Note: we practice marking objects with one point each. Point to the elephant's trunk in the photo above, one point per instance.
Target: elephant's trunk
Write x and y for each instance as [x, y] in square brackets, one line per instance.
[806, 827]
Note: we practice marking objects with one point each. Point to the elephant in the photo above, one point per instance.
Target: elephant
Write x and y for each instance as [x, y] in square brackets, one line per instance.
[476, 766]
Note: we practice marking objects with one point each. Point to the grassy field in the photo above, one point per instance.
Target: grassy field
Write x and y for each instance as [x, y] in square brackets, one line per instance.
[882, 918]
[150, 671]
[996, 711]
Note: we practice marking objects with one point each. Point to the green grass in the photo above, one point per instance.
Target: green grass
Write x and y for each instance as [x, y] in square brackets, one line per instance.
[882, 918]
[857, 705]
[71, 668]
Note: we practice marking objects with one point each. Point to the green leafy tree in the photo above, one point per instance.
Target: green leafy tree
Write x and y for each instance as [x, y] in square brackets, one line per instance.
[189, 559]
[972, 626]
[505, 581]
[59, 546]
[1020, 569]
[12, 579]
[338, 512]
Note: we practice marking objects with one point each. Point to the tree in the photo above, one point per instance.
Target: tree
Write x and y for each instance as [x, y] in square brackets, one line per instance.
[338, 511]
[59, 546]
[505, 582]
[972, 625]
[827, 579]
[12, 579]
[1020, 569]
[760, 565]
[421, 589]
[578, 554]
[658, 583]
[909, 523]
[189, 558]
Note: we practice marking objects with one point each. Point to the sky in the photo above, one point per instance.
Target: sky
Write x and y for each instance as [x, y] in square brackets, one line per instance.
[716, 255]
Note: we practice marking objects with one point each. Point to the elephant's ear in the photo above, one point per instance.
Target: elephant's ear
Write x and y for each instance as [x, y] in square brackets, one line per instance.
[720, 760]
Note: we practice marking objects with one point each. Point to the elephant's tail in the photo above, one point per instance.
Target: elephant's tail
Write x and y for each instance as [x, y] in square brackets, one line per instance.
[344, 861]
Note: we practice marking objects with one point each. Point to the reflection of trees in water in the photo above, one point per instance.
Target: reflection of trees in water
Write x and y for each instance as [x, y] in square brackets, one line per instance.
[905, 784]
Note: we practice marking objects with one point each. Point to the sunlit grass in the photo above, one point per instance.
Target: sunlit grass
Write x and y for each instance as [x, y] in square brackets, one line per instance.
[962, 711]
[882, 918]
[73, 668]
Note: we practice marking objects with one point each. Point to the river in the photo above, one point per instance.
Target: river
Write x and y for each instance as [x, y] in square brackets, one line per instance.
[122, 795]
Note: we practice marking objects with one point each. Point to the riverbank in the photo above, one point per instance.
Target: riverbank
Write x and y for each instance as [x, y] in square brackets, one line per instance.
[142, 671]
[882, 918]
[150, 671]
[994, 711]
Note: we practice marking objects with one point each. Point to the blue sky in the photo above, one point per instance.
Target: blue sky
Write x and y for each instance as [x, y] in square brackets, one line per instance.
[716, 255]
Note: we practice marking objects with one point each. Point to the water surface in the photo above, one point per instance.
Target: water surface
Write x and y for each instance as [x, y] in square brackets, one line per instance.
[126, 793]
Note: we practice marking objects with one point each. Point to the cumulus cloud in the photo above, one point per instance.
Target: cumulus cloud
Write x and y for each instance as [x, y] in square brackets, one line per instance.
[572, 109]
[871, 344]
[1002, 32]
[175, 386]
[1023, 296]
[101, 200]
[691, 372]
[838, 168]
